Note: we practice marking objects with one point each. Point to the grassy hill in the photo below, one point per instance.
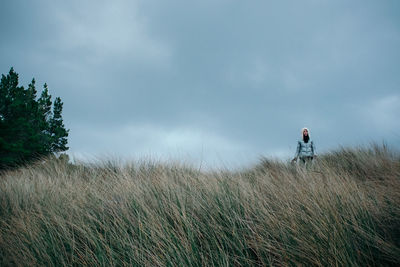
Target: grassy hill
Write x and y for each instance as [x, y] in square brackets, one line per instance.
[344, 210]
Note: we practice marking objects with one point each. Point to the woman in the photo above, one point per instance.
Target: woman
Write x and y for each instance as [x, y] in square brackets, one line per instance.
[305, 148]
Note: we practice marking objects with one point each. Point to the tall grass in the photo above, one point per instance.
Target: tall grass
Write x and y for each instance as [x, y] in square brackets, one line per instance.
[344, 210]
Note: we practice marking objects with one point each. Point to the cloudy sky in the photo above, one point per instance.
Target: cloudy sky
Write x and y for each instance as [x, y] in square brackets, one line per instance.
[212, 82]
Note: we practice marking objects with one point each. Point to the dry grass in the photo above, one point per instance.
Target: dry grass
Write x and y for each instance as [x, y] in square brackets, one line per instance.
[344, 210]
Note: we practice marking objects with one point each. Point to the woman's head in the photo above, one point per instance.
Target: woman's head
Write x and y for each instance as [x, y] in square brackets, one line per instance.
[305, 134]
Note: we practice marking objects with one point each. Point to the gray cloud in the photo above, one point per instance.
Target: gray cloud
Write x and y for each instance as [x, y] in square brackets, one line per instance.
[211, 77]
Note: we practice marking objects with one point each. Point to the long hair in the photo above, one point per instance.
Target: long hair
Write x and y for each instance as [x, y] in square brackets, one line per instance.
[305, 138]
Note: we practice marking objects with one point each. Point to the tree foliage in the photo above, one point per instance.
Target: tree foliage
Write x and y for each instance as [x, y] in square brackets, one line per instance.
[30, 127]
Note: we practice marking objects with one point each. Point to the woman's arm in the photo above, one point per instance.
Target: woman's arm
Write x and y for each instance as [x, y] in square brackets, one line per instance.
[313, 148]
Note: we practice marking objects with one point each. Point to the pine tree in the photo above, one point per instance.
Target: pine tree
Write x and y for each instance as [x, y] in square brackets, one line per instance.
[12, 113]
[44, 116]
[57, 129]
[28, 127]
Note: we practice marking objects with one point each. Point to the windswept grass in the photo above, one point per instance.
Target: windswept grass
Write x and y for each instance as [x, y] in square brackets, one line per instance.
[344, 210]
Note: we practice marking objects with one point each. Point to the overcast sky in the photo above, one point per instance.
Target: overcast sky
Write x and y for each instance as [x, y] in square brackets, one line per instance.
[212, 82]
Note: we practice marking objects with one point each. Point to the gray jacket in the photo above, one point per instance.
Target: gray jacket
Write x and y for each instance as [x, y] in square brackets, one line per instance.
[305, 149]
